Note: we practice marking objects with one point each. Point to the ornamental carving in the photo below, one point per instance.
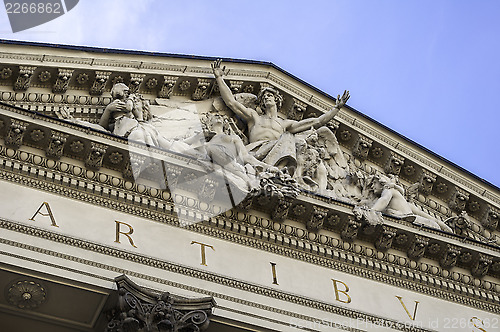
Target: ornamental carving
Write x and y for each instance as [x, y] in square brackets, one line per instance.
[24, 78]
[416, 249]
[56, 145]
[5, 73]
[458, 200]
[62, 82]
[82, 78]
[318, 217]
[350, 230]
[480, 266]
[297, 111]
[384, 239]
[449, 257]
[168, 86]
[37, 135]
[208, 190]
[427, 180]
[459, 224]
[26, 294]
[362, 147]
[139, 310]
[394, 164]
[101, 78]
[151, 83]
[491, 218]
[202, 90]
[14, 137]
[235, 86]
[44, 76]
[281, 208]
[95, 156]
[135, 82]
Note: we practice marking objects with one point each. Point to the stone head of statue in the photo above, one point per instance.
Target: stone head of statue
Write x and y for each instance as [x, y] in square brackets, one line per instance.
[264, 97]
[119, 90]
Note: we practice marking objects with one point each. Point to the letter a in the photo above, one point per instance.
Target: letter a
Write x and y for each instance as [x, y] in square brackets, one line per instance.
[48, 213]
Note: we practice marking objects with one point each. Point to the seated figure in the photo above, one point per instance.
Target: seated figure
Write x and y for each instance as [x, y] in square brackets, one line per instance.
[230, 157]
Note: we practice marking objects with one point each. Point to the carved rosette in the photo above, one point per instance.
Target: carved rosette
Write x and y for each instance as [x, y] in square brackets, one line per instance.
[394, 164]
[449, 257]
[297, 111]
[135, 82]
[14, 137]
[56, 145]
[168, 86]
[62, 82]
[416, 249]
[362, 147]
[24, 78]
[384, 239]
[458, 200]
[138, 310]
[101, 78]
[26, 294]
[202, 90]
[95, 156]
[427, 180]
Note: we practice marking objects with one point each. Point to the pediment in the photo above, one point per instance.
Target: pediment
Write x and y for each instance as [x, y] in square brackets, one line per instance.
[40, 85]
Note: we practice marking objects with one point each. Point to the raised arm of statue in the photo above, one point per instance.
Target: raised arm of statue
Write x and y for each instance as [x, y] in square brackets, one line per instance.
[297, 127]
[226, 94]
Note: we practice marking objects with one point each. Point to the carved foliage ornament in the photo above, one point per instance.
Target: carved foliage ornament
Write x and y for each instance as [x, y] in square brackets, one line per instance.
[138, 310]
[394, 164]
[362, 147]
[14, 137]
[168, 86]
[24, 78]
[62, 81]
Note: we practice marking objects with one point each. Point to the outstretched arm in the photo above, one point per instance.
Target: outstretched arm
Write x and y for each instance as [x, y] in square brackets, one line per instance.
[297, 127]
[226, 94]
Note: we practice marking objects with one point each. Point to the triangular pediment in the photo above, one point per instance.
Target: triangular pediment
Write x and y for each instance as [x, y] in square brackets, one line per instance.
[208, 154]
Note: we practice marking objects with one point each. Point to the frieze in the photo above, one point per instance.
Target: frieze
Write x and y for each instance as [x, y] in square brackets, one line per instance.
[216, 278]
[201, 274]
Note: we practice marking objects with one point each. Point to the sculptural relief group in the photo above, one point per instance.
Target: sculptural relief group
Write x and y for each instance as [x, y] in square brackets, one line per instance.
[268, 155]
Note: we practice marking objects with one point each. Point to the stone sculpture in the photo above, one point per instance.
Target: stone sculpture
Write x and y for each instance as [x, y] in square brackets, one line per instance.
[384, 194]
[272, 139]
[307, 151]
[230, 158]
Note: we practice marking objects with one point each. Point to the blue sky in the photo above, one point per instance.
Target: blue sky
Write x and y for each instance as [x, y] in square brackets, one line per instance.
[429, 70]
